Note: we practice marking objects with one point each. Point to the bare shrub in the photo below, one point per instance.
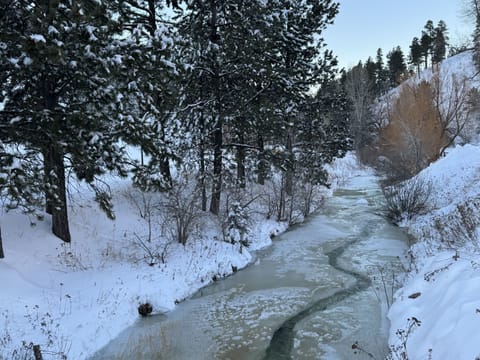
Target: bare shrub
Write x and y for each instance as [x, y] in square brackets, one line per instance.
[459, 227]
[181, 209]
[385, 282]
[147, 206]
[273, 199]
[153, 245]
[153, 252]
[399, 351]
[405, 200]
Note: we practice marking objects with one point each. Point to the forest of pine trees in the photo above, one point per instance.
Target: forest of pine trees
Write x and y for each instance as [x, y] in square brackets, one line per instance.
[191, 84]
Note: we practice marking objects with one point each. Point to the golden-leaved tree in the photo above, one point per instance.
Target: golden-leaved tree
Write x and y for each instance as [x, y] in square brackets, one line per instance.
[423, 120]
[414, 136]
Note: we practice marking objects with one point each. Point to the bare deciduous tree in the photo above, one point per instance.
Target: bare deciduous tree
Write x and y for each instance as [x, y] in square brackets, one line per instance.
[452, 100]
[359, 90]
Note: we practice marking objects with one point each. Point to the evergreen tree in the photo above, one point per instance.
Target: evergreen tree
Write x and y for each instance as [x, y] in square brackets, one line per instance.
[252, 63]
[440, 42]
[151, 77]
[59, 57]
[371, 69]
[396, 65]
[323, 132]
[426, 41]
[416, 53]
[382, 73]
[300, 64]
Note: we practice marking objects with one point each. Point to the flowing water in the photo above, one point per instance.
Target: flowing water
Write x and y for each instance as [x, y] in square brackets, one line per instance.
[317, 290]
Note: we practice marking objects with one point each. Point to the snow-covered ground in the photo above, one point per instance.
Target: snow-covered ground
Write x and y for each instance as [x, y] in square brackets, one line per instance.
[436, 314]
[443, 289]
[74, 298]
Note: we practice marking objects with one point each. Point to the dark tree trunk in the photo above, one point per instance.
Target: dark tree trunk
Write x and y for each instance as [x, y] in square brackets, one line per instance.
[60, 227]
[202, 184]
[2, 254]
[261, 161]
[202, 170]
[152, 21]
[37, 353]
[165, 170]
[217, 169]
[218, 130]
[290, 166]
[241, 177]
[282, 202]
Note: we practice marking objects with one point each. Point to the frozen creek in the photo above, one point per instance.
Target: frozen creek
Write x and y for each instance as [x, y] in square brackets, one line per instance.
[311, 295]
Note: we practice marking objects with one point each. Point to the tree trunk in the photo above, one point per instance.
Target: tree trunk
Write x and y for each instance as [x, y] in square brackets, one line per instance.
[202, 170]
[241, 177]
[261, 161]
[54, 159]
[2, 254]
[218, 130]
[290, 166]
[37, 353]
[281, 205]
[217, 169]
[165, 170]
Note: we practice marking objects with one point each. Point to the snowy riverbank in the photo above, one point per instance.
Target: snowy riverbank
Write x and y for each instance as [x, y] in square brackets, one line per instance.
[440, 300]
[74, 298]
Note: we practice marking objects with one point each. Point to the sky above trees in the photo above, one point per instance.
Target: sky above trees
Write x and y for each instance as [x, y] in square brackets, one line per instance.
[361, 27]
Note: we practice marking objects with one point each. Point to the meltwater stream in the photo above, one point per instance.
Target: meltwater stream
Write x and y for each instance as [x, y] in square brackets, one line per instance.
[317, 290]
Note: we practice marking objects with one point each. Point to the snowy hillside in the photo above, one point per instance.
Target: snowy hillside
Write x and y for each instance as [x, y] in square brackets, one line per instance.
[436, 313]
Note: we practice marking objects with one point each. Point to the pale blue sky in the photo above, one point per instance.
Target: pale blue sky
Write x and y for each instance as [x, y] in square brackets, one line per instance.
[363, 26]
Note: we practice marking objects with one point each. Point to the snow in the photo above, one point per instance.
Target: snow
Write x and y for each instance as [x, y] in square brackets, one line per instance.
[441, 290]
[38, 38]
[446, 269]
[74, 298]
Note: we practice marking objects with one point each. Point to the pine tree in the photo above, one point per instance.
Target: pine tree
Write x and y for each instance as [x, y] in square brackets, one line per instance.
[297, 50]
[371, 69]
[252, 64]
[151, 77]
[60, 102]
[323, 132]
[396, 65]
[382, 73]
[440, 42]
[416, 53]
[426, 41]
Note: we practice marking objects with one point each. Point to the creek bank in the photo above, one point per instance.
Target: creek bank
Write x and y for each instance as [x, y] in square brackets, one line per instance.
[237, 317]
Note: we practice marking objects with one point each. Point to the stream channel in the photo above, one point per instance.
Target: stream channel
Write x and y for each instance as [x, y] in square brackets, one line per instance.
[311, 295]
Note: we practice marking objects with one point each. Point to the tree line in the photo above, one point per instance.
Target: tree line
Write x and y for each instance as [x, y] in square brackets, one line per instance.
[223, 88]
[429, 48]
